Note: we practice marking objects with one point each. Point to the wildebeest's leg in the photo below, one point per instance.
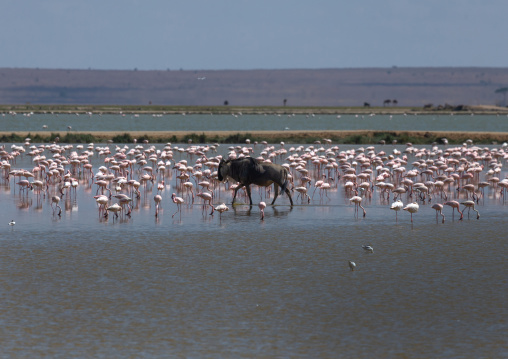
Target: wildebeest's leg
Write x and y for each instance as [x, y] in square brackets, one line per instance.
[236, 190]
[276, 192]
[248, 192]
[289, 195]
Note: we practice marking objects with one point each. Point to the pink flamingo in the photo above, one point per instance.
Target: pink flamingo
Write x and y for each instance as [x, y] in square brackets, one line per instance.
[397, 206]
[124, 200]
[24, 184]
[101, 185]
[56, 200]
[113, 208]
[178, 201]
[302, 191]
[357, 200]
[470, 206]
[470, 189]
[204, 184]
[325, 187]
[65, 188]
[317, 185]
[189, 186]
[207, 197]
[157, 200]
[454, 205]
[439, 210]
[74, 185]
[412, 208]
[39, 187]
[160, 187]
[262, 206]
[221, 208]
[102, 201]
[135, 185]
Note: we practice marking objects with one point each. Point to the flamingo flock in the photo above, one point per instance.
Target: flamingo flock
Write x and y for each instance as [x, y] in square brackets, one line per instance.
[427, 177]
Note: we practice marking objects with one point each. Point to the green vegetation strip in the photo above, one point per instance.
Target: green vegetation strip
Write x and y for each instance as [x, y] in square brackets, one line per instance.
[224, 110]
[303, 137]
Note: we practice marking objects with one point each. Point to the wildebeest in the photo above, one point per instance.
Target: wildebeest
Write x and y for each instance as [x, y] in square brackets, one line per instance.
[248, 171]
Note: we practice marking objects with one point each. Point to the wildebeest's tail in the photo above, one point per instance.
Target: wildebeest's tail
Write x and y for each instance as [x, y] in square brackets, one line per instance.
[285, 183]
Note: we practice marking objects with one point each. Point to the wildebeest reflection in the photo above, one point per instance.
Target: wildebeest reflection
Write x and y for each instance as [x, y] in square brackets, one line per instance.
[248, 171]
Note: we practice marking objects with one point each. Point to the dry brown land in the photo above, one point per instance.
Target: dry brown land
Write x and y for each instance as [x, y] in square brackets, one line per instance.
[300, 87]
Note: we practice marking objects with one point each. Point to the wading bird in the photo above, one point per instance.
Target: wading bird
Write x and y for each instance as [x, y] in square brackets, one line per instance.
[412, 208]
[397, 206]
[178, 201]
[157, 200]
[439, 210]
[470, 206]
[262, 206]
[56, 200]
[221, 208]
[352, 265]
[454, 205]
[357, 200]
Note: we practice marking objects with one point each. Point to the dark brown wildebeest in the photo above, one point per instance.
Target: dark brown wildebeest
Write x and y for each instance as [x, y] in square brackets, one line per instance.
[248, 171]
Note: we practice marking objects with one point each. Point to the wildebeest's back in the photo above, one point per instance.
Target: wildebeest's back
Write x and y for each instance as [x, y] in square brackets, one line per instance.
[245, 170]
[271, 172]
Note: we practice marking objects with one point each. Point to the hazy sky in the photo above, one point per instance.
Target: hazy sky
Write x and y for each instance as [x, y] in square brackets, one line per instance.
[252, 34]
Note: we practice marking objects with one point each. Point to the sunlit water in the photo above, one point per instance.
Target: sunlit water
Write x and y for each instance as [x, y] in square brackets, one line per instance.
[233, 286]
[115, 122]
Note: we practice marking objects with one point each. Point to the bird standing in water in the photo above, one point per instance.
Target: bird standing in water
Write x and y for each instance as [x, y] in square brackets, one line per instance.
[454, 205]
[262, 206]
[157, 200]
[178, 201]
[352, 265]
[412, 208]
[397, 206]
[470, 206]
[357, 200]
[56, 200]
[439, 210]
[221, 208]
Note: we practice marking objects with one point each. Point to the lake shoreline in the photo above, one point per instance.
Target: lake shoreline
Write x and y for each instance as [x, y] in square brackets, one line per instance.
[248, 110]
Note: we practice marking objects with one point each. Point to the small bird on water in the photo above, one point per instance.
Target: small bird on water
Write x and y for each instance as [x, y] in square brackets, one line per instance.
[368, 248]
[222, 208]
[352, 265]
[12, 223]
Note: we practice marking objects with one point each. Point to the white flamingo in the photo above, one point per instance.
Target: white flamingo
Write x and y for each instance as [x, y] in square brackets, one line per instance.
[397, 206]
[412, 208]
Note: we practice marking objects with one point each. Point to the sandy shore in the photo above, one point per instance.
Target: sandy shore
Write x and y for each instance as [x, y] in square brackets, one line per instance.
[302, 136]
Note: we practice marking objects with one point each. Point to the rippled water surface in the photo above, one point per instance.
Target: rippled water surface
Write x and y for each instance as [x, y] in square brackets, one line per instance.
[233, 286]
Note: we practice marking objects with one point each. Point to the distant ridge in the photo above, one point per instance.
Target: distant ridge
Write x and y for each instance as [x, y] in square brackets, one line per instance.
[299, 87]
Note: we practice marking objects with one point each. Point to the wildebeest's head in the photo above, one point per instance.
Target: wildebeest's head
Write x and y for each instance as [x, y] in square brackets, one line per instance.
[222, 170]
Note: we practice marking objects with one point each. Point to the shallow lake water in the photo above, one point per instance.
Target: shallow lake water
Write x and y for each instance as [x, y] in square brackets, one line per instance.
[268, 122]
[234, 286]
